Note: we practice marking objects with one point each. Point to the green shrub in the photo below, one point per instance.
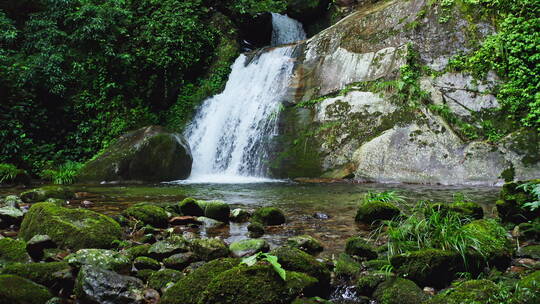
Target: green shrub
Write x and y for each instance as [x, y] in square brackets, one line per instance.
[64, 175]
[9, 172]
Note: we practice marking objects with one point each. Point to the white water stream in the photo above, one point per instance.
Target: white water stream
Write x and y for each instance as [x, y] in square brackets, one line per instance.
[232, 131]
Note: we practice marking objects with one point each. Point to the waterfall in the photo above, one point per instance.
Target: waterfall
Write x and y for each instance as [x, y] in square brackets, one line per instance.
[231, 133]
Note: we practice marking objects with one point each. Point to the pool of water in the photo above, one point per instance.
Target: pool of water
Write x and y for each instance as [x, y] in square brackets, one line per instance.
[299, 201]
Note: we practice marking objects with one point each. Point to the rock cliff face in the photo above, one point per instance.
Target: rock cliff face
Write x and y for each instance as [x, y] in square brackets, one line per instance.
[374, 99]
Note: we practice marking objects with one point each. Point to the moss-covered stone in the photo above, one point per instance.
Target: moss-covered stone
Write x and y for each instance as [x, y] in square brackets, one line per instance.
[268, 216]
[209, 249]
[239, 215]
[179, 261]
[372, 211]
[169, 246]
[70, 228]
[255, 229]
[345, 266]
[531, 251]
[136, 251]
[360, 248]
[101, 258]
[18, 290]
[160, 279]
[248, 247]
[376, 264]
[305, 243]
[148, 214]
[55, 275]
[44, 193]
[146, 263]
[530, 230]
[398, 291]
[428, 267]
[468, 210]
[13, 251]
[511, 204]
[296, 260]
[367, 283]
[188, 290]
[476, 291]
[259, 284]
[493, 245]
[219, 211]
[528, 289]
[190, 206]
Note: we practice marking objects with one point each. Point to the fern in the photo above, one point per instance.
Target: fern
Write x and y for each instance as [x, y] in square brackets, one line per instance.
[534, 190]
[64, 175]
[9, 172]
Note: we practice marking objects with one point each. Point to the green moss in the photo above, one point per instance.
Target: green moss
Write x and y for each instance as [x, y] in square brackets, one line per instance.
[527, 290]
[44, 193]
[102, 258]
[136, 251]
[160, 279]
[169, 246]
[357, 246]
[492, 243]
[470, 209]
[248, 247]
[372, 211]
[146, 263]
[345, 266]
[148, 214]
[13, 251]
[367, 283]
[209, 249]
[477, 291]
[188, 290]
[428, 267]
[269, 216]
[376, 264]
[255, 229]
[189, 206]
[17, 290]
[258, 284]
[296, 260]
[219, 211]
[511, 204]
[398, 291]
[70, 228]
[305, 243]
[52, 275]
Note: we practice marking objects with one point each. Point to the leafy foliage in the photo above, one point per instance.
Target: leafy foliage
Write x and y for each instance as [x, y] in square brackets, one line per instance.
[385, 197]
[8, 172]
[65, 174]
[271, 259]
[534, 190]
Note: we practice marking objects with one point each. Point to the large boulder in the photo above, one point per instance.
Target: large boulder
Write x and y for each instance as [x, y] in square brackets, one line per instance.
[70, 228]
[148, 154]
[148, 214]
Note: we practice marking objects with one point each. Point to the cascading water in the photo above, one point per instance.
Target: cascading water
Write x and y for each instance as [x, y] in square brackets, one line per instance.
[230, 134]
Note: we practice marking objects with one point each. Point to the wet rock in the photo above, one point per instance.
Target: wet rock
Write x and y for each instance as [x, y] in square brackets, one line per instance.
[37, 244]
[18, 290]
[360, 248]
[160, 279]
[13, 251]
[184, 220]
[372, 211]
[367, 283]
[296, 260]
[239, 215]
[256, 230]
[209, 223]
[44, 193]
[268, 216]
[321, 216]
[428, 267]
[10, 216]
[147, 154]
[148, 214]
[188, 290]
[398, 291]
[179, 261]
[249, 247]
[209, 249]
[96, 285]
[86, 204]
[11, 201]
[305, 243]
[531, 251]
[55, 275]
[475, 291]
[346, 267]
[172, 245]
[136, 251]
[219, 211]
[70, 228]
[190, 206]
[146, 263]
[101, 258]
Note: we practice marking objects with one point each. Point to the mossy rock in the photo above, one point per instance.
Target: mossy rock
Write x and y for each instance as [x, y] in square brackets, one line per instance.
[360, 248]
[297, 260]
[248, 247]
[398, 291]
[219, 211]
[373, 211]
[70, 228]
[190, 206]
[255, 229]
[101, 258]
[44, 193]
[305, 243]
[475, 291]
[179, 261]
[493, 242]
[136, 251]
[188, 290]
[367, 283]
[530, 230]
[307, 10]
[528, 289]
[160, 279]
[169, 246]
[148, 214]
[428, 267]
[345, 266]
[54, 275]
[314, 300]
[258, 284]
[469, 210]
[13, 251]
[17, 290]
[376, 264]
[240, 215]
[209, 249]
[531, 251]
[146, 263]
[148, 154]
[269, 216]
[512, 198]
